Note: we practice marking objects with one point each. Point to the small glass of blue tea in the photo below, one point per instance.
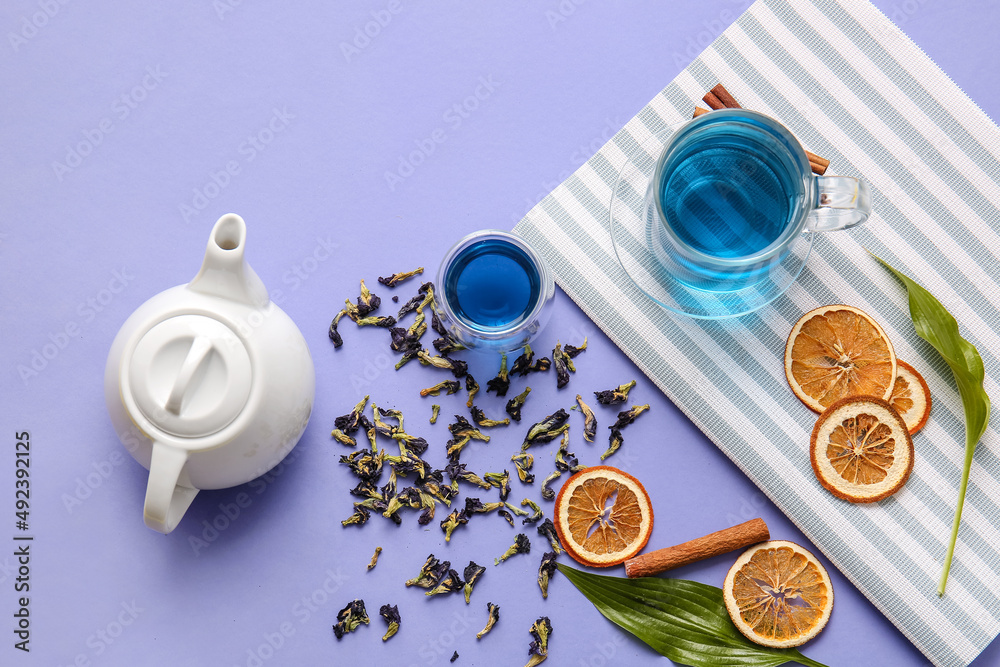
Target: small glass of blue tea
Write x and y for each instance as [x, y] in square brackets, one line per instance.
[493, 291]
[731, 190]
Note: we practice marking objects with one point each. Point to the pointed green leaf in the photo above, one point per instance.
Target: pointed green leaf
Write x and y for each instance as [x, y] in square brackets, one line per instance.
[685, 621]
[937, 326]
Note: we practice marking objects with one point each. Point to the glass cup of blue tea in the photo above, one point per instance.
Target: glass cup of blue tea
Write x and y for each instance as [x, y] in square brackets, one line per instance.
[494, 291]
[731, 191]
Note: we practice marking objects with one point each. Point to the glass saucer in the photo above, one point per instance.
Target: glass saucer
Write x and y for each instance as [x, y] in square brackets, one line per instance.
[632, 230]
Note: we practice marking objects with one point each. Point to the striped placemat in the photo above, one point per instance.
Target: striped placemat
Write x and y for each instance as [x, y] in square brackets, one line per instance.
[856, 90]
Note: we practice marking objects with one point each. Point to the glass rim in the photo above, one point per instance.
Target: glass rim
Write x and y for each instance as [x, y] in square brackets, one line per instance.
[492, 333]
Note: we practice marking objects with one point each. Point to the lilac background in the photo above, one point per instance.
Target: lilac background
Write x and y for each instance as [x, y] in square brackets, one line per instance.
[81, 247]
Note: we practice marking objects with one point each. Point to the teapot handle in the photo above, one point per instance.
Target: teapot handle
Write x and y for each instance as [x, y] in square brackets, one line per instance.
[166, 499]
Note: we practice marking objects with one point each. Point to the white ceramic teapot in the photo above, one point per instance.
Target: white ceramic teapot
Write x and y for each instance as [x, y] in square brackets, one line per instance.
[208, 384]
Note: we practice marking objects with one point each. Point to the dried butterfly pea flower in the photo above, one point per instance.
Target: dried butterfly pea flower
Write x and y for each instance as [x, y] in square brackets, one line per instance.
[547, 492]
[515, 404]
[493, 613]
[481, 420]
[447, 386]
[350, 422]
[430, 573]
[548, 530]
[407, 357]
[446, 345]
[628, 416]
[449, 583]
[563, 364]
[435, 411]
[500, 480]
[476, 506]
[472, 387]
[545, 571]
[350, 617]
[410, 306]
[614, 396]
[589, 420]
[343, 438]
[472, 573]
[463, 429]
[522, 363]
[364, 464]
[455, 519]
[507, 516]
[541, 630]
[523, 463]
[457, 472]
[359, 517]
[334, 333]
[385, 322]
[410, 443]
[403, 340]
[457, 367]
[572, 351]
[516, 510]
[545, 430]
[391, 616]
[536, 515]
[367, 302]
[615, 441]
[540, 366]
[374, 560]
[397, 278]
[501, 383]
[454, 657]
[521, 546]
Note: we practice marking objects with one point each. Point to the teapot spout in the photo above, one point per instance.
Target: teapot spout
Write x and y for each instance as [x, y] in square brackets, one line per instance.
[224, 272]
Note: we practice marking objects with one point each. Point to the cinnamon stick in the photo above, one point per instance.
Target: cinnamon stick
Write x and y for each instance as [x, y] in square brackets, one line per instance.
[723, 96]
[714, 544]
[818, 164]
[711, 100]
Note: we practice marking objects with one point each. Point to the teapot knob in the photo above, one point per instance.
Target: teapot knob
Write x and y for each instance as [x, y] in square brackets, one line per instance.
[190, 376]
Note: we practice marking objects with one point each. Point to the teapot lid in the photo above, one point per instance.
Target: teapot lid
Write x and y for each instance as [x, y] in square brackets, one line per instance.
[190, 375]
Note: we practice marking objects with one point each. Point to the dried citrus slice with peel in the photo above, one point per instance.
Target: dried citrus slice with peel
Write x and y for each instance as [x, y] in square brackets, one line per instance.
[911, 397]
[838, 351]
[603, 516]
[778, 594]
[861, 450]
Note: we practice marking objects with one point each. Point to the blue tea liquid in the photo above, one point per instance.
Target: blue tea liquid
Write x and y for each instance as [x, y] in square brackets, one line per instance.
[492, 284]
[729, 191]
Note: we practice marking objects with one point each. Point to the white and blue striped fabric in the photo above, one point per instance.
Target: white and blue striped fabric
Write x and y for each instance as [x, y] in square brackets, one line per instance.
[856, 90]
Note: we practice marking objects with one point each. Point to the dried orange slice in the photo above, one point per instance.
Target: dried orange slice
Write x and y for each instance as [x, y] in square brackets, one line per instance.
[778, 594]
[861, 450]
[838, 351]
[603, 516]
[911, 397]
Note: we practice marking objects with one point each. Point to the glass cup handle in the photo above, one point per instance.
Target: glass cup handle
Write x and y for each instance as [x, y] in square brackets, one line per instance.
[841, 202]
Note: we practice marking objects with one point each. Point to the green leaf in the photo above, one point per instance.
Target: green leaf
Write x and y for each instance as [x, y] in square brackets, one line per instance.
[938, 327]
[685, 621]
